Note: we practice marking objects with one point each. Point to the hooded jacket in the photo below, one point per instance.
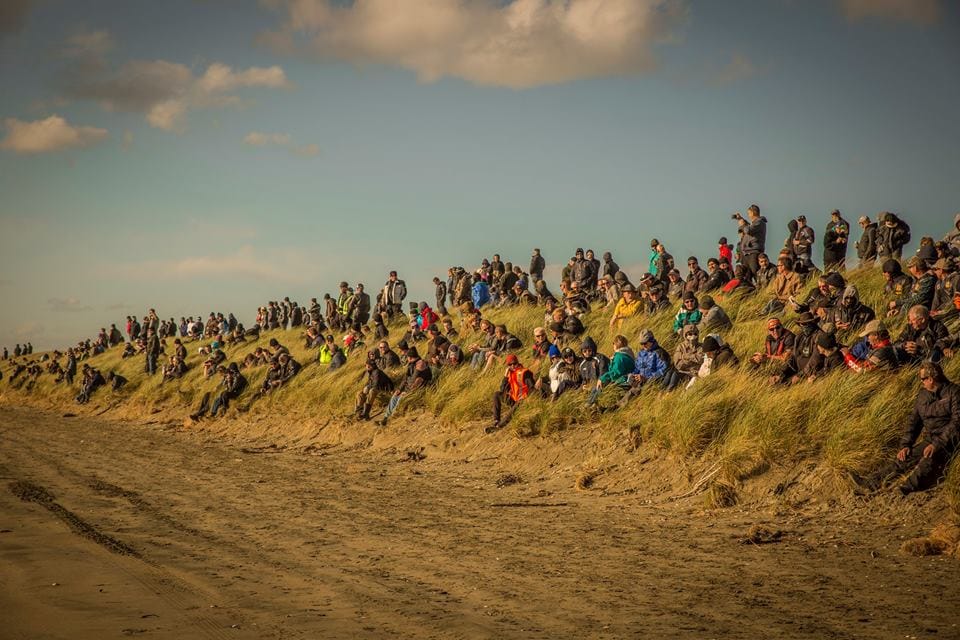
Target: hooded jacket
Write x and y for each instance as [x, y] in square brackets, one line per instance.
[754, 238]
[651, 363]
[867, 244]
[621, 366]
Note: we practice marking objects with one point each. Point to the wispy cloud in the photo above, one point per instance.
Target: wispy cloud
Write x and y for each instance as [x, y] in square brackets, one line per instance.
[922, 12]
[48, 135]
[737, 69]
[165, 92]
[258, 139]
[519, 44]
[281, 265]
[67, 305]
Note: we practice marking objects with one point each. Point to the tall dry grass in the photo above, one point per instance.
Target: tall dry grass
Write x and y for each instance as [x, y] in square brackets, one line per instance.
[733, 418]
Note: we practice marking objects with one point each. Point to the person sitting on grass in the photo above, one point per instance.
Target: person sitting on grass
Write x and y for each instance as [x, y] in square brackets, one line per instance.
[878, 354]
[418, 376]
[922, 338]
[717, 355]
[689, 312]
[930, 436]
[713, 317]
[805, 350]
[777, 346]
[175, 369]
[652, 363]
[92, 380]
[377, 387]
[656, 299]
[386, 358]
[627, 306]
[517, 384]
[687, 358]
[592, 364]
[786, 285]
[621, 366]
[338, 357]
[829, 358]
[851, 314]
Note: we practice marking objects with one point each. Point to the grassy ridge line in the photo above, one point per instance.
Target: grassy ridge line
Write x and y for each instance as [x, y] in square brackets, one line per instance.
[848, 421]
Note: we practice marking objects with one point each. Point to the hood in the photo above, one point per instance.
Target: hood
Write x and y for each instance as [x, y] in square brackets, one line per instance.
[588, 343]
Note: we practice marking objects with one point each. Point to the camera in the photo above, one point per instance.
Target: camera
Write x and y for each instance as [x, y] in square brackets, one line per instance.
[735, 216]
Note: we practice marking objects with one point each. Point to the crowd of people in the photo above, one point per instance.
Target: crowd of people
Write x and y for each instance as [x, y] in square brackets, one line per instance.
[834, 330]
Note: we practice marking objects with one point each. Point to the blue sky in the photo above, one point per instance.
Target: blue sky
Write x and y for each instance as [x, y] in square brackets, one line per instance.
[206, 155]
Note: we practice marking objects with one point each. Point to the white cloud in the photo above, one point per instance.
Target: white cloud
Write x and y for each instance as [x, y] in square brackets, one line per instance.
[737, 69]
[48, 135]
[259, 139]
[923, 12]
[279, 265]
[307, 150]
[88, 43]
[165, 92]
[67, 305]
[519, 44]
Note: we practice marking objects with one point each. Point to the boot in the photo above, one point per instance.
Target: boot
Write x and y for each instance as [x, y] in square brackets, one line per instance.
[365, 414]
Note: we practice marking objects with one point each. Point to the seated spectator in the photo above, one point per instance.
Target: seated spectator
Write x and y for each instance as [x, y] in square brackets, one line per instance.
[805, 350]
[418, 376]
[716, 356]
[921, 291]
[652, 363]
[338, 358]
[880, 353]
[687, 358]
[930, 436]
[627, 306]
[766, 272]
[656, 300]
[592, 364]
[689, 312]
[541, 345]
[777, 347]
[786, 285]
[675, 285]
[116, 381]
[713, 317]
[621, 366]
[828, 357]
[851, 314]
[922, 338]
[377, 387]
[517, 384]
[386, 357]
[897, 283]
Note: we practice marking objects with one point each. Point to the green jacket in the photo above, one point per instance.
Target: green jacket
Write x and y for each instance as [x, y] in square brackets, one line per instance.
[620, 367]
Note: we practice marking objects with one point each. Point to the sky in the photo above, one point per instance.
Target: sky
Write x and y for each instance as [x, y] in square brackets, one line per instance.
[210, 155]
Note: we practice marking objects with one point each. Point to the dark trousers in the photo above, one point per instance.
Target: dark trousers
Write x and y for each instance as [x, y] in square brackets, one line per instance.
[834, 259]
[926, 471]
[752, 262]
[498, 400]
[151, 366]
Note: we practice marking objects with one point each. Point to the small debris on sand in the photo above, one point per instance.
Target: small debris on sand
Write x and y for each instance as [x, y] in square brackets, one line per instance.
[758, 534]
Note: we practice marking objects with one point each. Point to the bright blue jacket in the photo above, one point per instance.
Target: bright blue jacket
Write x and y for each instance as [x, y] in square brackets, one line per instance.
[649, 364]
[481, 294]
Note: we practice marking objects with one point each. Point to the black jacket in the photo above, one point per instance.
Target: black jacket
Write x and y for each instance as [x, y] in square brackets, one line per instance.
[867, 244]
[537, 265]
[938, 414]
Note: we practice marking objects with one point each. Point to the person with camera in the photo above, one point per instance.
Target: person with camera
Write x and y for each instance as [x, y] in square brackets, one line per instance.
[753, 237]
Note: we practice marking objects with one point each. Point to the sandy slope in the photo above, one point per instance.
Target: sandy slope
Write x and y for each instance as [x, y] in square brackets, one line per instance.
[252, 541]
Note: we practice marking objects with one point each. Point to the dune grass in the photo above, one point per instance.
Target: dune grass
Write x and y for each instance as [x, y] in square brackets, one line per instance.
[734, 418]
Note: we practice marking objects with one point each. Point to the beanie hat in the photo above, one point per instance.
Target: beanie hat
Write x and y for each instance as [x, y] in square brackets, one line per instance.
[835, 280]
[710, 345]
[827, 341]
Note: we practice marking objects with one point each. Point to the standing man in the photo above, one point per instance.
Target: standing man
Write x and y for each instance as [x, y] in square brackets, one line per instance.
[803, 241]
[753, 239]
[360, 306]
[394, 292]
[537, 265]
[892, 234]
[835, 242]
[152, 351]
[441, 295]
[867, 244]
